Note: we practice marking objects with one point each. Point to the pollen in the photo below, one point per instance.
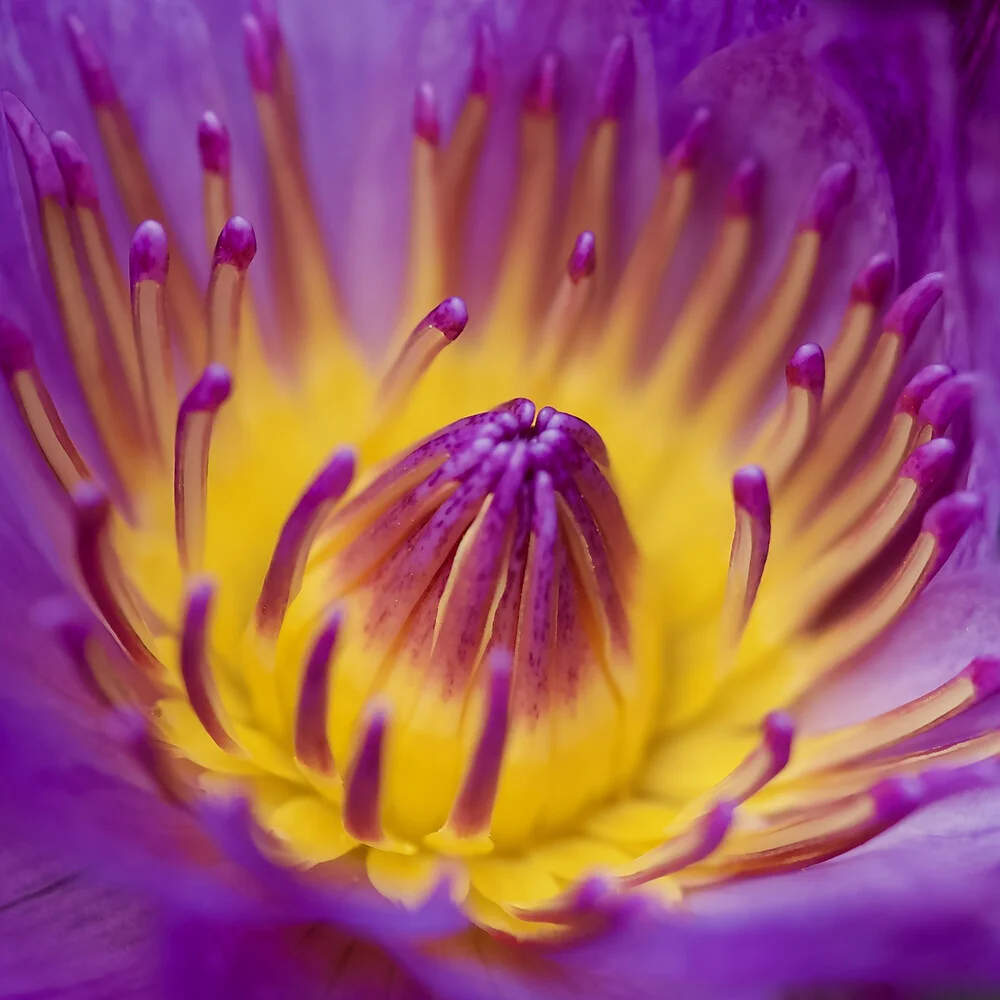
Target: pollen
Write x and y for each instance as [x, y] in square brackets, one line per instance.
[528, 604]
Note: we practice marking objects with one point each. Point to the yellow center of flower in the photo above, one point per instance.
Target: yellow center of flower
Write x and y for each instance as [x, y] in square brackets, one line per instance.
[509, 643]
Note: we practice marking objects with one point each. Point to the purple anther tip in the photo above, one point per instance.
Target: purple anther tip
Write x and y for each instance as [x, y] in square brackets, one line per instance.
[950, 398]
[921, 386]
[908, 312]
[211, 390]
[612, 84]
[426, 123]
[214, 146]
[90, 63]
[237, 244]
[779, 731]
[200, 592]
[258, 53]
[951, 517]
[874, 280]
[267, 13]
[148, 256]
[716, 824]
[743, 196]
[16, 353]
[984, 672]
[45, 174]
[687, 152]
[806, 369]
[486, 63]
[834, 190]
[930, 463]
[751, 493]
[583, 259]
[338, 474]
[91, 504]
[75, 168]
[541, 95]
[450, 317]
[895, 798]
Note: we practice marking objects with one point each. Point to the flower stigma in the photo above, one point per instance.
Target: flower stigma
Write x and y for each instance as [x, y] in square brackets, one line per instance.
[530, 601]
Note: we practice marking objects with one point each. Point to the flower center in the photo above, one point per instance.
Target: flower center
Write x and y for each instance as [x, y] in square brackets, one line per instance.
[497, 544]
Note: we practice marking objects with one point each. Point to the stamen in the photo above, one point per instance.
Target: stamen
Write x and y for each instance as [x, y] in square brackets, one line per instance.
[637, 288]
[299, 247]
[518, 285]
[192, 442]
[748, 371]
[466, 143]
[947, 403]
[920, 477]
[764, 763]
[566, 312]
[977, 681]
[695, 844]
[590, 199]
[363, 785]
[312, 742]
[427, 239]
[816, 838]
[867, 293]
[217, 195]
[147, 262]
[74, 306]
[674, 373]
[467, 828]
[102, 574]
[871, 482]
[234, 251]
[32, 399]
[284, 574]
[135, 186]
[112, 292]
[440, 327]
[751, 541]
[196, 670]
[943, 527]
[841, 437]
[780, 446]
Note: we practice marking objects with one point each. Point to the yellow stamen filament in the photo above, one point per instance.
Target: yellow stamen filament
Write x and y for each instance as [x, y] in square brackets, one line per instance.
[225, 295]
[636, 291]
[458, 168]
[217, 201]
[669, 384]
[39, 413]
[739, 386]
[151, 337]
[779, 451]
[847, 353]
[427, 238]
[839, 439]
[561, 323]
[527, 243]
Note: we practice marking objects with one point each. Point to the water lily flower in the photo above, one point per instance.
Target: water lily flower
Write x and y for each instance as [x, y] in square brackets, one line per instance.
[625, 627]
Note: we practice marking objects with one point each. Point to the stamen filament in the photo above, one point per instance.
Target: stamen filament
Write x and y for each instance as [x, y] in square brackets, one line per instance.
[196, 669]
[37, 409]
[217, 195]
[192, 442]
[284, 574]
[148, 262]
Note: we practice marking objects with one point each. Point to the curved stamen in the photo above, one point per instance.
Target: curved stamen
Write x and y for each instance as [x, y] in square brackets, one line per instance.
[196, 669]
[312, 743]
[439, 328]
[748, 557]
[284, 574]
[17, 362]
[234, 251]
[192, 441]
